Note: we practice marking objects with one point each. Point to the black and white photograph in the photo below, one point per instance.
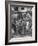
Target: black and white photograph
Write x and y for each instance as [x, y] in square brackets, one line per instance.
[21, 22]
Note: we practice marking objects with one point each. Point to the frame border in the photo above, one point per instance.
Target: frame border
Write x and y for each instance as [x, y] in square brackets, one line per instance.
[6, 28]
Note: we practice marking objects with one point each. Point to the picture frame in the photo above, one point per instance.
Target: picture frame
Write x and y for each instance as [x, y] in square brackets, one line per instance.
[23, 33]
